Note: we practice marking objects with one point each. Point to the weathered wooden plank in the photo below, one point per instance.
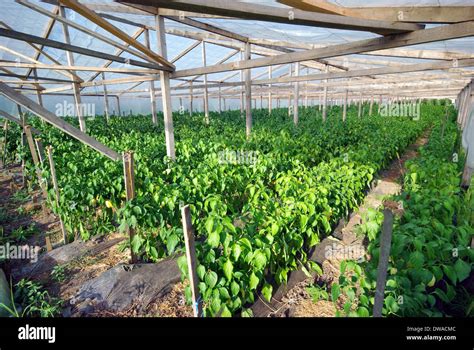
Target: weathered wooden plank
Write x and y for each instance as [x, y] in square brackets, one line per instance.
[95, 18]
[13, 34]
[57, 122]
[447, 32]
[279, 15]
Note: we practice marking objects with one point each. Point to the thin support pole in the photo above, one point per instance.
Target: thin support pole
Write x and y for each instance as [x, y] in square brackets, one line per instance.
[206, 92]
[191, 260]
[52, 166]
[75, 86]
[385, 243]
[248, 93]
[191, 98]
[270, 90]
[106, 100]
[36, 161]
[325, 97]
[344, 108]
[296, 97]
[154, 117]
[129, 176]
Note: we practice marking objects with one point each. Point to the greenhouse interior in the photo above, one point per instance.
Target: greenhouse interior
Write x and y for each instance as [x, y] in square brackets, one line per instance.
[263, 159]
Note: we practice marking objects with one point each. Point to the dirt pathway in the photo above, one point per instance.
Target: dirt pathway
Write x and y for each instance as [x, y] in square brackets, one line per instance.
[297, 302]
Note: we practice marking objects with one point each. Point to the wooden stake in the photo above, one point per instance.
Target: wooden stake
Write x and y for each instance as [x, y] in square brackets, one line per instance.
[40, 149]
[129, 175]
[52, 166]
[36, 160]
[191, 259]
[385, 243]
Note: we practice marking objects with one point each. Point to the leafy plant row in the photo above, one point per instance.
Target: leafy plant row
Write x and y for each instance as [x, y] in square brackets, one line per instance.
[254, 222]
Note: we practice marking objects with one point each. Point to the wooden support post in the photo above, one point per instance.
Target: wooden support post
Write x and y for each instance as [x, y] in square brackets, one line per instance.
[154, 118]
[344, 108]
[219, 97]
[206, 93]
[360, 106]
[371, 105]
[296, 97]
[75, 86]
[248, 93]
[52, 166]
[40, 149]
[242, 90]
[325, 97]
[290, 108]
[36, 161]
[270, 90]
[118, 107]
[191, 260]
[106, 100]
[129, 176]
[191, 98]
[165, 90]
[385, 243]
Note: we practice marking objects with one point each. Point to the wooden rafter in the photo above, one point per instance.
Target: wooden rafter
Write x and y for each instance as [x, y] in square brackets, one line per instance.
[416, 14]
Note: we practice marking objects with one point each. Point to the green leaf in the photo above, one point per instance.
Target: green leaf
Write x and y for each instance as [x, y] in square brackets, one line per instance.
[254, 281]
[201, 271]
[234, 288]
[451, 273]
[463, 269]
[224, 293]
[335, 291]
[210, 279]
[259, 259]
[171, 243]
[183, 265]
[363, 312]
[228, 269]
[236, 251]
[137, 242]
[209, 225]
[225, 312]
[214, 239]
[416, 260]
[275, 229]
[247, 313]
[267, 292]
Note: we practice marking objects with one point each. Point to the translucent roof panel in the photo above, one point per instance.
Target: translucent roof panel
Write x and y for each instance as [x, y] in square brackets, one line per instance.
[26, 20]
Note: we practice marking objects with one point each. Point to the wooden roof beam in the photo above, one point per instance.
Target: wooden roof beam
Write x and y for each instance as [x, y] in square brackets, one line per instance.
[275, 14]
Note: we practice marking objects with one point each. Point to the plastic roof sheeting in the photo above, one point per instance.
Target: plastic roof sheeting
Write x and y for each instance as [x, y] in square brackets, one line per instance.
[34, 23]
